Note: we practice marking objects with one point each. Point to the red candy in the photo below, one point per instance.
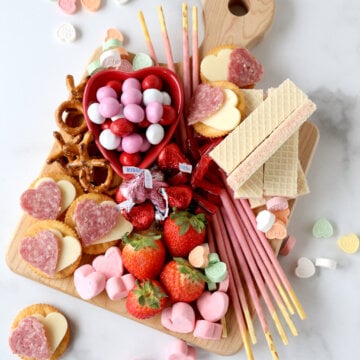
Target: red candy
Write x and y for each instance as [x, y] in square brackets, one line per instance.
[127, 159]
[116, 85]
[169, 115]
[122, 127]
[151, 82]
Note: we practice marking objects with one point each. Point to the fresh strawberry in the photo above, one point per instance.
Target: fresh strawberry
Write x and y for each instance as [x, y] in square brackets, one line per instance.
[183, 231]
[179, 197]
[141, 216]
[143, 254]
[146, 299]
[182, 281]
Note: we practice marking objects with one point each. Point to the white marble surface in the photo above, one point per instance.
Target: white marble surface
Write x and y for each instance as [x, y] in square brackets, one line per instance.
[315, 43]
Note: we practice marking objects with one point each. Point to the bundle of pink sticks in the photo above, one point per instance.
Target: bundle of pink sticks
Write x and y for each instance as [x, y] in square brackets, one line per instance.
[253, 268]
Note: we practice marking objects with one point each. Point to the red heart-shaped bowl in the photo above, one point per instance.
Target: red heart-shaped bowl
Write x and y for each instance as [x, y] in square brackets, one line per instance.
[171, 84]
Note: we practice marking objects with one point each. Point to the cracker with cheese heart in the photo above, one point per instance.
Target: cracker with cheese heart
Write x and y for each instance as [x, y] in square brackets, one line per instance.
[39, 331]
[227, 117]
[97, 221]
[49, 196]
[51, 249]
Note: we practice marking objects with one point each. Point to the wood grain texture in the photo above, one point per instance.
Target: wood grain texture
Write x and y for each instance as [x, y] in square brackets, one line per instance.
[221, 27]
[224, 27]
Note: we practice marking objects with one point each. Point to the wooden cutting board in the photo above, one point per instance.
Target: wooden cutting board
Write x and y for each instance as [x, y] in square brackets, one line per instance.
[221, 26]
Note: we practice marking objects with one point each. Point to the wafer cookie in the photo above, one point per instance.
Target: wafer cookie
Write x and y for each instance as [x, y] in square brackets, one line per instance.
[258, 126]
[268, 147]
[280, 171]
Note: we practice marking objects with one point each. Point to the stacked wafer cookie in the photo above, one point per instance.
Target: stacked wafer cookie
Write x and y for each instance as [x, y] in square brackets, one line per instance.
[260, 157]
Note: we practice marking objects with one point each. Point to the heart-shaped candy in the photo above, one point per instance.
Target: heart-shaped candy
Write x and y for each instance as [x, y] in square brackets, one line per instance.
[199, 256]
[206, 101]
[94, 220]
[118, 288]
[88, 282]
[216, 272]
[322, 228]
[305, 268]
[180, 350]
[213, 306]
[41, 251]
[179, 197]
[207, 330]
[29, 339]
[68, 6]
[180, 317]
[42, 202]
[349, 243]
[109, 264]
[170, 157]
[171, 85]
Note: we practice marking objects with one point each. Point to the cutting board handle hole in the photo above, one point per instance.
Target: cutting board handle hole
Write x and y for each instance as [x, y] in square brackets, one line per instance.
[238, 7]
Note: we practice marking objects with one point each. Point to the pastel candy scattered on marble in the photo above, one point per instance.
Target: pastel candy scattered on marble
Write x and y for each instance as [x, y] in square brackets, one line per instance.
[322, 228]
[305, 268]
[180, 350]
[349, 243]
[326, 263]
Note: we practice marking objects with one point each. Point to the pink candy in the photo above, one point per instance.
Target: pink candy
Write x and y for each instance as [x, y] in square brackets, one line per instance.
[213, 306]
[179, 350]
[154, 112]
[180, 317]
[132, 143]
[109, 107]
[207, 330]
[134, 113]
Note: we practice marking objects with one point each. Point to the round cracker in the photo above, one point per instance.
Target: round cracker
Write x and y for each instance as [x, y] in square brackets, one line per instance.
[65, 231]
[44, 310]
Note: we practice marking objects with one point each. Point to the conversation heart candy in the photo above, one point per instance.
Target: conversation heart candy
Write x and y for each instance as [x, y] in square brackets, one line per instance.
[349, 243]
[180, 317]
[213, 306]
[305, 268]
[322, 228]
[109, 264]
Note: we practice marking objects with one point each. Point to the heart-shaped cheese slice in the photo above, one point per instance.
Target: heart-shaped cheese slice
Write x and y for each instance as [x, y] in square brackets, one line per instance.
[215, 67]
[228, 116]
[56, 326]
[70, 250]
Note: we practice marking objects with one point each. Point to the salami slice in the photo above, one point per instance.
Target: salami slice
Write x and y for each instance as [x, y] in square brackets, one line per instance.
[41, 251]
[94, 220]
[244, 70]
[42, 202]
[206, 101]
[29, 339]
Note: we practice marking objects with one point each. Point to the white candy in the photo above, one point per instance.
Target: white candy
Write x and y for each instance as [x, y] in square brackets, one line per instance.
[66, 32]
[110, 58]
[109, 140]
[166, 99]
[326, 263]
[94, 114]
[265, 220]
[150, 95]
[155, 133]
[305, 268]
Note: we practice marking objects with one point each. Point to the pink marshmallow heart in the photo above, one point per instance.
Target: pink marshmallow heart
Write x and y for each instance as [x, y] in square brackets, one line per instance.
[213, 306]
[118, 288]
[110, 264]
[88, 282]
[207, 330]
[179, 350]
[180, 317]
